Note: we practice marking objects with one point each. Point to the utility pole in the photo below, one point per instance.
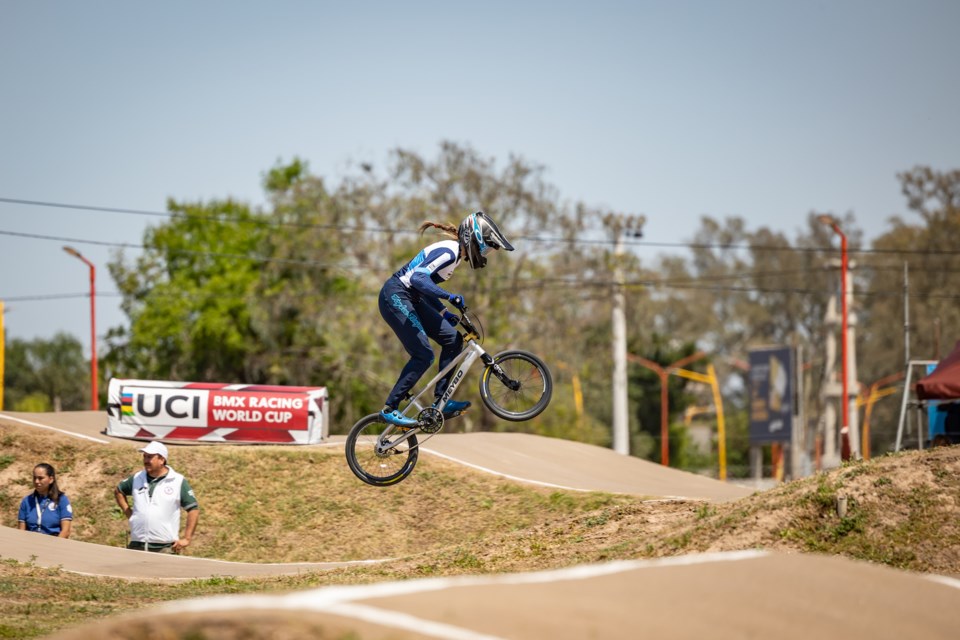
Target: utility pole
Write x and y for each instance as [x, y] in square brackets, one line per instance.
[831, 389]
[618, 225]
[906, 317]
[850, 401]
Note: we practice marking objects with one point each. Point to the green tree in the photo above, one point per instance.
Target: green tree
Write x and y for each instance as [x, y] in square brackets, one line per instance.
[188, 297]
[313, 314]
[46, 375]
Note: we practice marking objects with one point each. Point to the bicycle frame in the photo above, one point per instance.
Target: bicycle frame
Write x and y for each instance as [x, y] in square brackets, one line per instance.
[464, 360]
[471, 351]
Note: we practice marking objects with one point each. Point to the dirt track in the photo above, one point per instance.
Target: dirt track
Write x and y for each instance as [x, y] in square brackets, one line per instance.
[736, 595]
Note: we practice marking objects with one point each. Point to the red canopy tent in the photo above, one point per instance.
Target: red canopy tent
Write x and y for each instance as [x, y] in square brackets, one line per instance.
[942, 388]
[943, 383]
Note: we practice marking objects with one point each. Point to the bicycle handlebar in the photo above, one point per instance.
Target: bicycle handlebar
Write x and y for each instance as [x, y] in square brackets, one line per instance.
[467, 323]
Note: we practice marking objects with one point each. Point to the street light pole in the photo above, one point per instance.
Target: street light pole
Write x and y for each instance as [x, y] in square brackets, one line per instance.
[94, 399]
[844, 351]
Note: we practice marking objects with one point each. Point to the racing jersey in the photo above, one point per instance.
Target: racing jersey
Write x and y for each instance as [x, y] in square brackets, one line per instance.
[434, 264]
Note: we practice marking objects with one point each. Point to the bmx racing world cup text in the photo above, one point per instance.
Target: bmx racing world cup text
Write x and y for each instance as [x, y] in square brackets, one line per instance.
[218, 408]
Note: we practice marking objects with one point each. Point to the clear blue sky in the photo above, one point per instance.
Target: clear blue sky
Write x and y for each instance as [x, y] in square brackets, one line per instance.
[674, 109]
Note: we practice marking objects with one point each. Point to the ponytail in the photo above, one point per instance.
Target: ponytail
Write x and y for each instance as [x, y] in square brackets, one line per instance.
[447, 229]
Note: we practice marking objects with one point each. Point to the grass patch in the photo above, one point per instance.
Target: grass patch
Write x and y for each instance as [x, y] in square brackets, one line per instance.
[705, 511]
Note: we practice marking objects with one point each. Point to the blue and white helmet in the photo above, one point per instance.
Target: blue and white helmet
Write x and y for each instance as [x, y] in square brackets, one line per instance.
[479, 235]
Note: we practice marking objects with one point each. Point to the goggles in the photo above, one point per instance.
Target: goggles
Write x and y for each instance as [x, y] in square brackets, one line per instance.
[485, 249]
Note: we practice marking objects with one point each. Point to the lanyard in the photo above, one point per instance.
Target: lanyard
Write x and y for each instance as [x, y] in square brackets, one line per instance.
[36, 500]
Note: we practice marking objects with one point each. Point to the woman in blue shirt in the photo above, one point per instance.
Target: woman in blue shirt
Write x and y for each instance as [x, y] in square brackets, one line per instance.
[47, 509]
[412, 304]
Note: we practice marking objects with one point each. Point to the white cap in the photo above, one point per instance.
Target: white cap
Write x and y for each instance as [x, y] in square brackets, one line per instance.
[155, 447]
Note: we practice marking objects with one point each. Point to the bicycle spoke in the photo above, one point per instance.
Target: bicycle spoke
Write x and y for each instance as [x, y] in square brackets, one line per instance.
[376, 459]
[521, 390]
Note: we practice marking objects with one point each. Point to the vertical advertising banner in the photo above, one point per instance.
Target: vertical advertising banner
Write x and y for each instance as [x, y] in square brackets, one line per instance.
[772, 386]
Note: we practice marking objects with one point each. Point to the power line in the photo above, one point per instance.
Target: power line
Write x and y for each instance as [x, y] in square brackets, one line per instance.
[692, 285]
[215, 217]
[58, 296]
[127, 245]
[675, 282]
[559, 284]
[682, 283]
[542, 239]
[102, 243]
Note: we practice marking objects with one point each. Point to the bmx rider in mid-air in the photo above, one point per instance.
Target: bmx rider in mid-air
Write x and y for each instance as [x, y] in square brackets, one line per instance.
[411, 303]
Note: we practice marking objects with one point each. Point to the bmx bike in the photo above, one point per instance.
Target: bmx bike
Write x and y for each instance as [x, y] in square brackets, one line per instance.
[515, 385]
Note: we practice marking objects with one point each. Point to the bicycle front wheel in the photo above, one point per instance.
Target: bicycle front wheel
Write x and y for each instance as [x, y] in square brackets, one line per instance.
[516, 386]
[378, 459]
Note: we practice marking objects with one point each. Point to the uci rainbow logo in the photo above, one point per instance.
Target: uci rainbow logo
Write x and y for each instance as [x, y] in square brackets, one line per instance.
[126, 404]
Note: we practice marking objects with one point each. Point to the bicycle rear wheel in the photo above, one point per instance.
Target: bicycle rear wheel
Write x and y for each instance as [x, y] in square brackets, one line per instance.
[373, 460]
[516, 386]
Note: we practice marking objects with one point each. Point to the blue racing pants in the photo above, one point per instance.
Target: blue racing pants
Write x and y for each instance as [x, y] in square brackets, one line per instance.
[415, 322]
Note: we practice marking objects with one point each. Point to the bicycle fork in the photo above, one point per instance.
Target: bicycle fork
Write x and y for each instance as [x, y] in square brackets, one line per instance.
[500, 374]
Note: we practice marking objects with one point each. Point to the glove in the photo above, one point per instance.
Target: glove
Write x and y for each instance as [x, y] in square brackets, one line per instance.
[452, 318]
[457, 301]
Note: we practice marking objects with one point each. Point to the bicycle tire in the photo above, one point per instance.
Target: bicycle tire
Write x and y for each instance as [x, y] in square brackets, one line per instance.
[377, 469]
[525, 402]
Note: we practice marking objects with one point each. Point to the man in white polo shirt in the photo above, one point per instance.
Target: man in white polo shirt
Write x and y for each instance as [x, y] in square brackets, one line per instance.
[158, 494]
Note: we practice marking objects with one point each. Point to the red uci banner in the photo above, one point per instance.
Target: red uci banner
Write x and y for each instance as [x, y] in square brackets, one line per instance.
[214, 412]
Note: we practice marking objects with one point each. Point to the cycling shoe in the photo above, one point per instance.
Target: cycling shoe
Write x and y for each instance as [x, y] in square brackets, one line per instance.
[454, 408]
[398, 419]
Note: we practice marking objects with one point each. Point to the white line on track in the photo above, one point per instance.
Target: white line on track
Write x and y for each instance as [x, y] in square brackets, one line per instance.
[302, 568]
[498, 473]
[407, 622]
[950, 582]
[44, 426]
[536, 482]
[341, 600]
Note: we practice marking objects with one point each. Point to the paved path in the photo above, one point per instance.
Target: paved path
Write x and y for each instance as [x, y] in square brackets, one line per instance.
[728, 596]
[574, 465]
[100, 560]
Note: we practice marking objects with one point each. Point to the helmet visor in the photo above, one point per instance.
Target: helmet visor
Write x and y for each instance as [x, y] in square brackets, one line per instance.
[478, 236]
